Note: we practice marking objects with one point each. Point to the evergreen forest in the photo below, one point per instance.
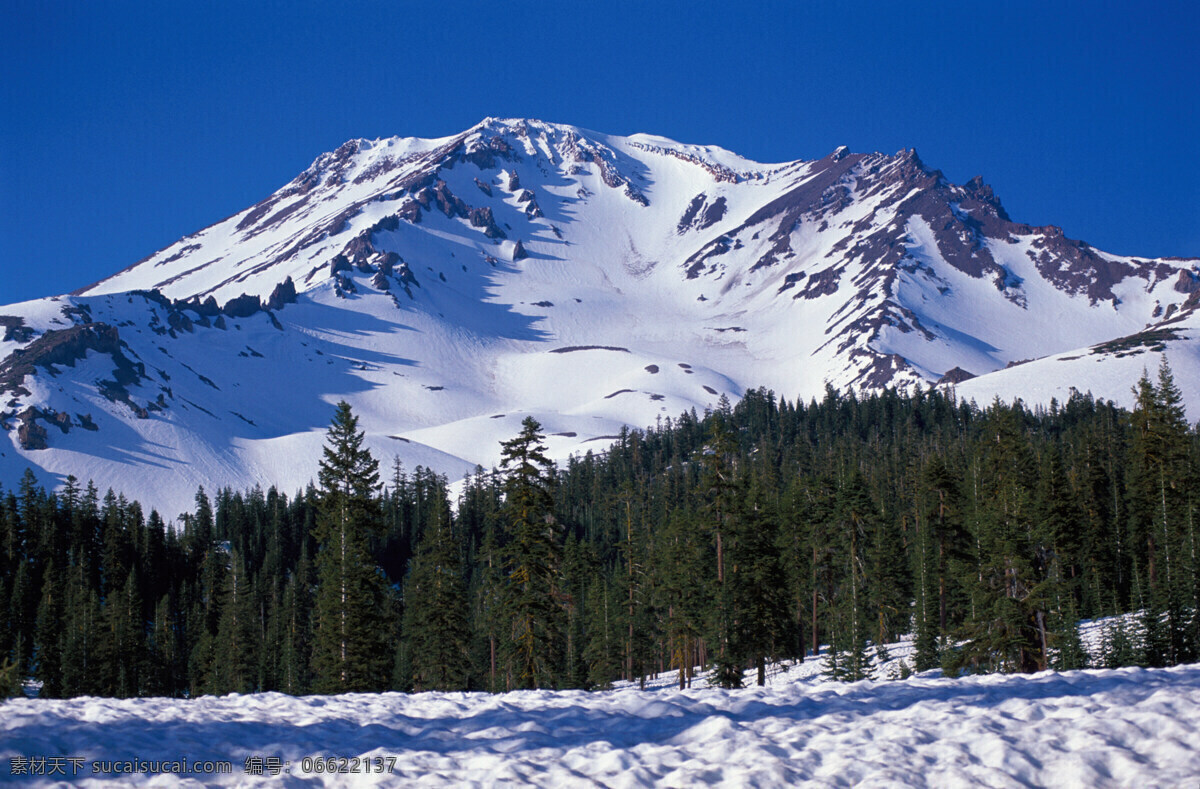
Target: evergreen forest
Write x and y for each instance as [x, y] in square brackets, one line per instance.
[733, 541]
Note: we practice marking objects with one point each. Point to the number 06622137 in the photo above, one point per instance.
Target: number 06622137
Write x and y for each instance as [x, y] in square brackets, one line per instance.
[348, 764]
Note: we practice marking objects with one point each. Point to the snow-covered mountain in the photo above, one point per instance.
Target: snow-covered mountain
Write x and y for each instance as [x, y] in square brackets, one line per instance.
[448, 288]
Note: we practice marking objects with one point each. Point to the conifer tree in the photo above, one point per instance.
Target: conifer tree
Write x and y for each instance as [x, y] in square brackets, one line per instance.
[352, 639]
[603, 650]
[721, 486]
[296, 624]
[681, 569]
[122, 645]
[1161, 481]
[435, 607]
[578, 568]
[532, 559]
[758, 580]
[794, 554]
[856, 518]
[489, 615]
[81, 666]
[1004, 633]
[234, 669]
[164, 670]
[48, 646]
[10, 679]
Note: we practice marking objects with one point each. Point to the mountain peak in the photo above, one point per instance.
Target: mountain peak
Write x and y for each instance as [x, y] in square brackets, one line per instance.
[449, 287]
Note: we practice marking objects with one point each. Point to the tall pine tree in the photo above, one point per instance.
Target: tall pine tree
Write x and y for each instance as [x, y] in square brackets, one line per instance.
[353, 628]
[532, 556]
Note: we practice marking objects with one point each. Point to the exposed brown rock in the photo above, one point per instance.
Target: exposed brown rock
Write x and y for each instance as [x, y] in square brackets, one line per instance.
[484, 153]
[388, 262]
[338, 264]
[689, 213]
[284, 293]
[410, 211]
[955, 375]
[823, 283]
[447, 201]
[482, 217]
[64, 347]
[31, 435]
[242, 306]
[1186, 282]
[15, 329]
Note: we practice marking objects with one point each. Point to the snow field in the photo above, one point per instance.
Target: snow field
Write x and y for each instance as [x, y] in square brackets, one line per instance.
[1097, 728]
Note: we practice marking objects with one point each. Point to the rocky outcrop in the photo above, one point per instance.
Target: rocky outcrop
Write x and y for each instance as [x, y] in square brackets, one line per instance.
[343, 286]
[57, 348]
[701, 214]
[62, 348]
[15, 329]
[339, 264]
[955, 375]
[441, 196]
[482, 218]
[284, 293]
[485, 153]
[31, 435]
[532, 209]
[410, 212]
[242, 306]
[359, 252]
[1187, 282]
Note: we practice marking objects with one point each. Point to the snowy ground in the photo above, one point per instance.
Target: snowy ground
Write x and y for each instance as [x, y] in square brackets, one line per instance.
[1129, 727]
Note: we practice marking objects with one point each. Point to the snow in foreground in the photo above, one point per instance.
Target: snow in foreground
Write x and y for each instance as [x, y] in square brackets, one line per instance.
[1128, 727]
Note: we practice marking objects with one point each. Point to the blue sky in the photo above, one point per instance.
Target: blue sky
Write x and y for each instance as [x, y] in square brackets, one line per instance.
[124, 126]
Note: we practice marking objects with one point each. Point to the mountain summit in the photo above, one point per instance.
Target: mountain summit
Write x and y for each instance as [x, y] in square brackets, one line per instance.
[448, 288]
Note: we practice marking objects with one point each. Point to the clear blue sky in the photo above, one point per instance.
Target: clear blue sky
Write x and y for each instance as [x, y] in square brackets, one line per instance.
[124, 126]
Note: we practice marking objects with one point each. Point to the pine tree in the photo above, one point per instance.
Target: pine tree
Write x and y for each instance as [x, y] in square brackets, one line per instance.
[10, 679]
[940, 545]
[1069, 652]
[721, 486]
[758, 580]
[681, 571]
[603, 650]
[296, 624]
[122, 644]
[532, 559]
[81, 665]
[164, 670]
[49, 641]
[856, 518]
[578, 568]
[235, 652]
[1121, 646]
[1004, 633]
[352, 641]
[1161, 481]
[435, 600]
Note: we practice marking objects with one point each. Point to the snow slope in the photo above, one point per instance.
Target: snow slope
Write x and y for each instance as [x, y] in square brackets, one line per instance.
[448, 288]
[1095, 728]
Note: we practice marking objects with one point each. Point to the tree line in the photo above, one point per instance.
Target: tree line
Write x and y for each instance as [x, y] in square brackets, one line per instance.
[749, 535]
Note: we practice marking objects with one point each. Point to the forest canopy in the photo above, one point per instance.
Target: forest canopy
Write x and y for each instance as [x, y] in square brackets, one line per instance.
[732, 540]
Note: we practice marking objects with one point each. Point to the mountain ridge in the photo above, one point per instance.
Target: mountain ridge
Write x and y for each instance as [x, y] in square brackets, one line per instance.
[448, 287]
